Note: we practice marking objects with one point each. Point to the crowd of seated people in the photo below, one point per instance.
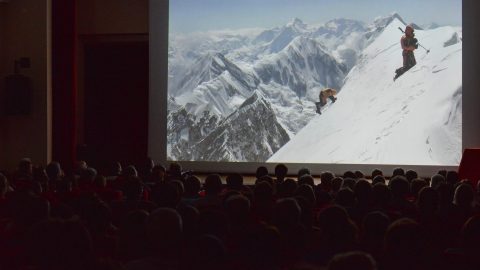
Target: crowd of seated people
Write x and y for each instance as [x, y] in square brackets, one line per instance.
[154, 218]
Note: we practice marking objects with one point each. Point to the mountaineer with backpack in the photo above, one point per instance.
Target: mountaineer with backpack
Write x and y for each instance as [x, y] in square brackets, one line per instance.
[409, 44]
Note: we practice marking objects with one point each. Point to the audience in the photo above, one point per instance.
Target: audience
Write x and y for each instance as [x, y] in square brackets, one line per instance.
[159, 219]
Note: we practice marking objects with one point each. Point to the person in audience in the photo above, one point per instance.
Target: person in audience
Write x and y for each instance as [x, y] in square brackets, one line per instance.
[192, 190]
[263, 201]
[174, 171]
[281, 171]
[398, 172]
[405, 246]
[213, 188]
[349, 174]
[400, 192]
[302, 172]
[132, 236]
[261, 171]
[158, 174]
[410, 175]
[234, 181]
[436, 180]
[286, 217]
[373, 228]
[326, 181]
[60, 244]
[363, 194]
[340, 234]
[359, 174]
[452, 178]
[349, 183]
[376, 172]
[287, 188]
[415, 186]
[337, 184]
[307, 180]
[164, 234]
[357, 259]
[378, 179]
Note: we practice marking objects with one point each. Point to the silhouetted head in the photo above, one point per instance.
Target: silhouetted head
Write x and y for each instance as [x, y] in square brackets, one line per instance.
[470, 234]
[337, 184]
[398, 171]
[363, 191]
[287, 188]
[286, 213]
[345, 197]
[442, 172]
[452, 177]
[166, 194]
[133, 189]
[399, 186]
[237, 208]
[410, 175]
[60, 244]
[349, 174]
[404, 240]
[192, 186]
[158, 173]
[213, 185]
[261, 171]
[130, 171]
[54, 171]
[208, 252]
[437, 179]
[376, 172]
[381, 195]
[464, 195]
[164, 230]
[359, 174]
[416, 185]
[303, 171]
[357, 259]
[349, 183]
[100, 181]
[307, 180]
[263, 192]
[235, 181]
[375, 225]
[281, 171]
[306, 191]
[428, 200]
[214, 222]
[378, 179]
[25, 166]
[175, 170]
[326, 179]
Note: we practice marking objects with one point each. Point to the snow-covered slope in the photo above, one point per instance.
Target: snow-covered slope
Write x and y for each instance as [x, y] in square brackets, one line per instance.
[414, 120]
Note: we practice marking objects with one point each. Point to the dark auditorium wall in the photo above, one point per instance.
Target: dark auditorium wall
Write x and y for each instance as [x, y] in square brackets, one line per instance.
[25, 32]
[119, 29]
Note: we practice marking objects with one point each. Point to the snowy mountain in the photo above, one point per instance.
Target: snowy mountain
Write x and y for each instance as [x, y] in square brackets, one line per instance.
[414, 120]
[251, 133]
[302, 65]
[214, 84]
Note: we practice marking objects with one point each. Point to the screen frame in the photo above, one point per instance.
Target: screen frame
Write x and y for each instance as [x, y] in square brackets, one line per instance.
[157, 142]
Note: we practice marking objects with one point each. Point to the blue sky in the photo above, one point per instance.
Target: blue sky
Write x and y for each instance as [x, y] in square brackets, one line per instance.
[202, 15]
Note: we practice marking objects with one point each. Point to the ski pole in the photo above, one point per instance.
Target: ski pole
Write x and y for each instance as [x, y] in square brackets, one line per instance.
[418, 43]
